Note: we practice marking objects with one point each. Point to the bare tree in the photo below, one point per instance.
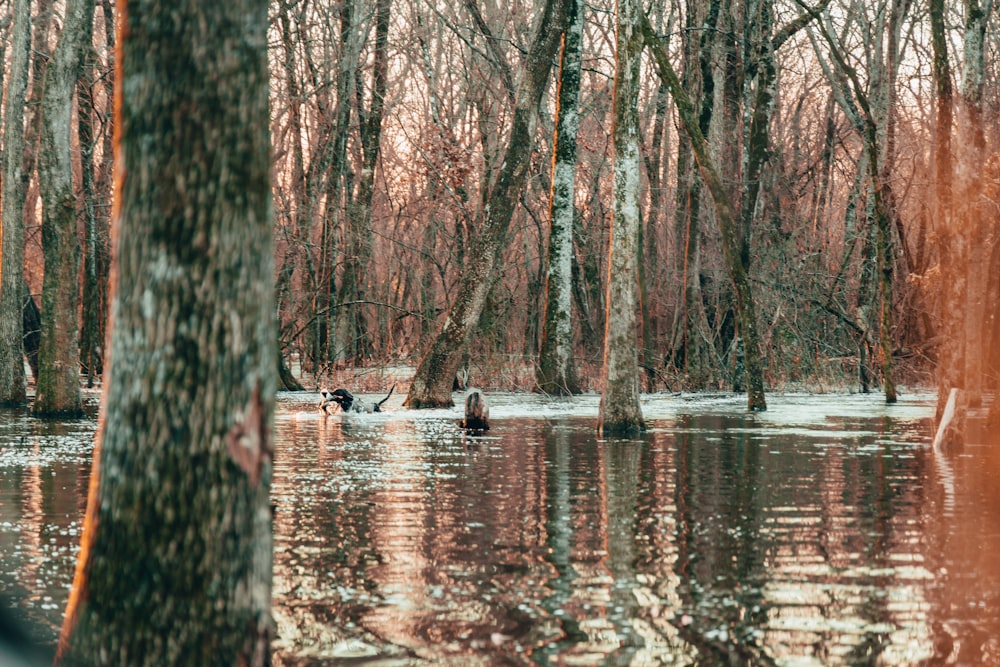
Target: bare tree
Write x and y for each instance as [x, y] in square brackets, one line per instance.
[175, 566]
[620, 411]
[556, 373]
[58, 391]
[12, 380]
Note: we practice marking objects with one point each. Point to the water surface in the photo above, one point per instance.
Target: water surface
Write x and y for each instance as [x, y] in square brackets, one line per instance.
[822, 532]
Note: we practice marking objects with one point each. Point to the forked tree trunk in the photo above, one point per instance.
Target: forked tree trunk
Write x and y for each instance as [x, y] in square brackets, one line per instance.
[556, 371]
[175, 566]
[13, 391]
[431, 386]
[620, 411]
[58, 392]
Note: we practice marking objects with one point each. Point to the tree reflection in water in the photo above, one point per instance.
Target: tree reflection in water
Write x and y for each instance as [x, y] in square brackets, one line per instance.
[822, 532]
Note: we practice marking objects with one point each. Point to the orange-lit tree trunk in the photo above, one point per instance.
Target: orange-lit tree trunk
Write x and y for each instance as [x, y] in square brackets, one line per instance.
[175, 564]
[13, 390]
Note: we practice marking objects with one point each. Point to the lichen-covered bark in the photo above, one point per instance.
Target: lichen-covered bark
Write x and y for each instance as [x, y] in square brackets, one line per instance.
[431, 385]
[175, 565]
[556, 372]
[620, 411]
[12, 380]
[58, 391]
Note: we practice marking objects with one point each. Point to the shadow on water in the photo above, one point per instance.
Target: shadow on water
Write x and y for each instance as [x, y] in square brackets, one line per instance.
[823, 532]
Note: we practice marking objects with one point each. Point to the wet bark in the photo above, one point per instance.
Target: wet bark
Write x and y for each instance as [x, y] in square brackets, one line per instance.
[58, 390]
[431, 385]
[556, 372]
[620, 412]
[13, 390]
[175, 566]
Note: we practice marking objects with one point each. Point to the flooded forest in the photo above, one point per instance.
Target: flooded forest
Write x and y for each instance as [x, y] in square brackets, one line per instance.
[396, 332]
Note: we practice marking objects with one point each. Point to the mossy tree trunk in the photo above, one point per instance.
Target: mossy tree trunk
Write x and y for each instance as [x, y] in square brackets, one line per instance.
[620, 411]
[431, 385]
[556, 371]
[175, 565]
[58, 391]
[13, 391]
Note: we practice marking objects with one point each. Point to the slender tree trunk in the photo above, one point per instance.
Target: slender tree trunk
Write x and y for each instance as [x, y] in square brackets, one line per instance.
[431, 386]
[692, 348]
[620, 411]
[175, 566]
[556, 372]
[340, 192]
[724, 211]
[13, 391]
[950, 362]
[90, 329]
[353, 337]
[58, 392]
[975, 226]
[649, 267]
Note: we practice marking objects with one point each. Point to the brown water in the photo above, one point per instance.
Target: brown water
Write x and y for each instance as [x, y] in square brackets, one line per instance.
[823, 532]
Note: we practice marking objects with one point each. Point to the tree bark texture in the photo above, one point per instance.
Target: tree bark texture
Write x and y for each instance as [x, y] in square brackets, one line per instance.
[175, 565]
[431, 385]
[726, 215]
[556, 371]
[620, 411]
[58, 390]
[13, 390]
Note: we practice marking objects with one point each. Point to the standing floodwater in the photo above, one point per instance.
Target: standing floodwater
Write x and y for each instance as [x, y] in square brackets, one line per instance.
[824, 531]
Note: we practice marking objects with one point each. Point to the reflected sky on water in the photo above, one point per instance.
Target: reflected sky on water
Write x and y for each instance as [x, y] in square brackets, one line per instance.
[822, 532]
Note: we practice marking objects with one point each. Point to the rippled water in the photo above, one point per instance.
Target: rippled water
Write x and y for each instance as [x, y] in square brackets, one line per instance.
[822, 532]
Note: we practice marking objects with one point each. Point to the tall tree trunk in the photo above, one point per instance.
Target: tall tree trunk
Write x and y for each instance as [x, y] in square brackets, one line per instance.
[353, 338]
[556, 373]
[691, 345]
[90, 329]
[649, 267]
[431, 386]
[175, 566]
[950, 362]
[58, 392]
[340, 190]
[13, 391]
[724, 210]
[975, 225]
[620, 411]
